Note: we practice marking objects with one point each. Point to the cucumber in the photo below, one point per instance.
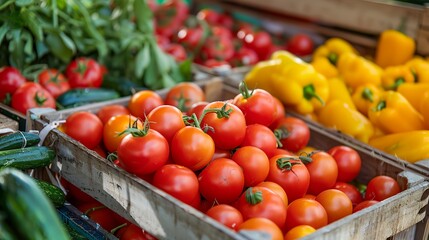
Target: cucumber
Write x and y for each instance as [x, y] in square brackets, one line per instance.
[54, 193]
[18, 140]
[81, 96]
[27, 209]
[27, 158]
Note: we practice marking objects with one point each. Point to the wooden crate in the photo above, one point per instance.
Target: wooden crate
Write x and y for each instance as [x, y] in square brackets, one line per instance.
[167, 218]
[8, 123]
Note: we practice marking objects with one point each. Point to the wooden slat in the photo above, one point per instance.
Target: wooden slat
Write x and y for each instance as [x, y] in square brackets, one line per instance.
[6, 122]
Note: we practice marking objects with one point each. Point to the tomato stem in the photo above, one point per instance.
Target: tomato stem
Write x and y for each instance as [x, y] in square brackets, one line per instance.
[220, 112]
[253, 197]
[181, 102]
[40, 100]
[114, 230]
[94, 209]
[135, 131]
[284, 163]
[281, 133]
[244, 90]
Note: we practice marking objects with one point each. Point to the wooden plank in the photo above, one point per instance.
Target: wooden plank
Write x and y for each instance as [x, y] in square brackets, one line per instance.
[14, 115]
[6, 122]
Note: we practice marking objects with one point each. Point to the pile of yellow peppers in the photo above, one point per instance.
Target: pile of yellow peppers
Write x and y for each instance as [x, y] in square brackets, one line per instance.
[383, 102]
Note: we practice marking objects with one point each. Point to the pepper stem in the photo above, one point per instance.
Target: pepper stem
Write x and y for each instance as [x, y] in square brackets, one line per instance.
[253, 197]
[367, 94]
[333, 58]
[310, 92]
[380, 105]
[398, 81]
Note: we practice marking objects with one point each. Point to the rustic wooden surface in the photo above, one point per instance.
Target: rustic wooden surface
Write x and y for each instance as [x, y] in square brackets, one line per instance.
[6, 122]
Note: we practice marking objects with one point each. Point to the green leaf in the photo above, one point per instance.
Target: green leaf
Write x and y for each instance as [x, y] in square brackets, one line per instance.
[33, 23]
[16, 49]
[151, 76]
[58, 48]
[3, 30]
[185, 69]
[142, 61]
[144, 16]
[23, 3]
[68, 42]
[167, 81]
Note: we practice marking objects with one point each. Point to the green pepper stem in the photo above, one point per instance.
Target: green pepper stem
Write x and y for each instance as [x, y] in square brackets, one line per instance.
[398, 81]
[310, 92]
[333, 58]
[380, 105]
[253, 198]
[367, 94]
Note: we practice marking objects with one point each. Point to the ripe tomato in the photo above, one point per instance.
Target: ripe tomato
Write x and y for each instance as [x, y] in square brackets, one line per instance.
[300, 45]
[74, 194]
[170, 16]
[336, 203]
[229, 130]
[259, 42]
[10, 80]
[323, 172]
[178, 181]
[84, 127]
[144, 101]
[31, 95]
[351, 191]
[262, 202]
[192, 148]
[183, 95]
[257, 105]
[217, 47]
[227, 215]
[143, 153]
[214, 63]
[167, 120]
[293, 133]
[290, 174]
[54, 82]
[99, 214]
[254, 162]
[263, 225]
[243, 30]
[299, 232]
[197, 108]
[115, 126]
[222, 180]
[280, 113]
[305, 211]
[84, 72]
[262, 137]
[100, 151]
[276, 188]
[190, 38]
[177, 51]
[133, 232]
[244, 57]
[209, 15]
[280, 151]
[381, 187]
[364, 204]
[309, 196]
[348, 162]
[226, 20]
[108, 111]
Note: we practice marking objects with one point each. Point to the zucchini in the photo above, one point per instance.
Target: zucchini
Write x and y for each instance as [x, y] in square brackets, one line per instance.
[54, 193]
[123, 85]
[27, 158]
[18, 140]
[81, 96]
[28, 210]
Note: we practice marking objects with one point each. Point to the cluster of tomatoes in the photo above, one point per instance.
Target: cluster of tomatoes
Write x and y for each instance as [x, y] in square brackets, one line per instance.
[235, 160]
[21, 94]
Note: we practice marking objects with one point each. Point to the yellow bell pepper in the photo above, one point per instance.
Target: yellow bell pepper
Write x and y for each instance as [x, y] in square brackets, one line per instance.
[420, 68]
[410, 146]
[286, 57]
[394, 48]
[323, 66]
[393, 113]
[338, 91]
[413, 92]
[364, 96]
[332, 49]
[340, 116]
[357, 70]
[394, 76]
[259, 76]
[424, 108]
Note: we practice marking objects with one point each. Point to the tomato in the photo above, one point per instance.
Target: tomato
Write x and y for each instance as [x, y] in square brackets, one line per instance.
[254, 162]
[108, 111]
[262, 137]
[275, 188]
[209, 15]
[217, 47]
[348, 162]
[10, 80]
[263, 225]
[364, 204]
[133, 232]
[227, 215]
[142, 102]
[244, 57]
[177, 51]
[115, 126]
[178, 181]
[31, 95]
[243, 30]
[222, 180]
[293, 133]
[381, 187]
[228, 131]
[53, 81]
[290, 174]
[84, 72]
[197, 108]
[257, 105]
[262, 202]
[78, 196]
[300, 45]
[336, 203]
[280, 113]
[280, 151]
[183, 95]
[299, 232]
[84, 127]
[192, 148]
[144, 153]
[214, 63]
[309, 196]
[259, 42]
[323, 172]
[99, 214]
[305, 211]
[170, 16]
[190, 38]
[162, 41]
[100, 151]
[167, 120]
[351, 191]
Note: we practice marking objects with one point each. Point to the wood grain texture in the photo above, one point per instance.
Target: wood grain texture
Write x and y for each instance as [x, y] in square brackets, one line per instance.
[6, 122]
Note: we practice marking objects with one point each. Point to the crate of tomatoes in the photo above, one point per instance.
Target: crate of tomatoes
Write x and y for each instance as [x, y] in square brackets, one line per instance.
[211, 161]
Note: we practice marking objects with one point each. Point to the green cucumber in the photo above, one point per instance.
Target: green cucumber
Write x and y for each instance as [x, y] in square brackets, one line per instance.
[54, 193]
[28, 210]
[81, 96]
[27, 158]
[18, 140]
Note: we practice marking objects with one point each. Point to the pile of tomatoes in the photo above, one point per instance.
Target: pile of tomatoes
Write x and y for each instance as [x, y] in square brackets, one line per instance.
[241, 161]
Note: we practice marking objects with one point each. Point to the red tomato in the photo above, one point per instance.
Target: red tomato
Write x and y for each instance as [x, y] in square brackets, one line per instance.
[257, 105]
[293, 133]
[222, 180]
[100, 151]
[290, 174]
[31, 95]
[299, 232]
[229, 130]
[84, 72]
[190, 38]
[280, 113]
[54, 82]
[209, 15]
[170, 17]
[259, 42]
[167, 120]
[351, 191]
[78, 196]
[305, 211]
[177, 51]
[133, 232]
[244, 57]
[214, 63]
[10, 80]
[162, 41]
[262, 137]
[84, 127]
[323, 172]
[226, 20]
[114, 127]
[336, 203]
[178, 181]
[221, 153]
[264, 225]
[381, 187]
[144, 153]
[364, 204]
[280, 151]
[243, 30]
[262, 202]
[300, 45]
[99, 214]
[108, 111]
[309, 196]
[183, 95]
[275, 187]
[255, 164]
[217, 47]
[192, 148]
[227, 215]
[142, 102]
[348, 162]
[197, 108]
